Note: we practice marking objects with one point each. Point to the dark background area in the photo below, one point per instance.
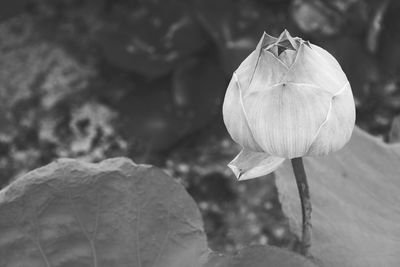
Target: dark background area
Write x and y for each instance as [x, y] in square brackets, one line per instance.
[94, 79]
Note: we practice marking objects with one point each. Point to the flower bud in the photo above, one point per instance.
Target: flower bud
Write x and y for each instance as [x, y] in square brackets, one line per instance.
[287, 99]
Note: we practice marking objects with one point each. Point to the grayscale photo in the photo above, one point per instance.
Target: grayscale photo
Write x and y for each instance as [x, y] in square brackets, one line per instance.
[199, 133]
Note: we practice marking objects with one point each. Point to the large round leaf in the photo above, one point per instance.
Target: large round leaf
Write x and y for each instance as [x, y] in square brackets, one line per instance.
[114, 213]
[355, 195]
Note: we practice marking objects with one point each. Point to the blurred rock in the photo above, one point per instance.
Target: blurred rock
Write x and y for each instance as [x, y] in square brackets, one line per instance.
[41, 85]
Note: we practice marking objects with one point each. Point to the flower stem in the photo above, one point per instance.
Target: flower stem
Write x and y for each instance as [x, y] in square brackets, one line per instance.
[302, 185]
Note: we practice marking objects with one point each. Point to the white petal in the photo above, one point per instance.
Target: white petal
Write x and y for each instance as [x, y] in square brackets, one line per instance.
[270, 71]
[316, 66]
[235, 119]
[338, 127]
[267, 40]
[247, 68]
[248, 164]
[285, 36]
[288, 57]
[285, 119]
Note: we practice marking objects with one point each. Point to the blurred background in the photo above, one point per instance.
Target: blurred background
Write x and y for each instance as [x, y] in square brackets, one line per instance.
[93, 79]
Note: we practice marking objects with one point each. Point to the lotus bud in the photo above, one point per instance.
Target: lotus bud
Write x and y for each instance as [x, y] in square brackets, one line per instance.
[288, 99]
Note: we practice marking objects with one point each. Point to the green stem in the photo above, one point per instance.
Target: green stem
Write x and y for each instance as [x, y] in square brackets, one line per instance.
[302, 185]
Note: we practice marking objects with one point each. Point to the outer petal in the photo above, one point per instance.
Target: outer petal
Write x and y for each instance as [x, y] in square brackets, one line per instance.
[247, 68]
[235, 119]
[314, 65]
[248, 164]
[285, 119]
[270, 71]
[337, 129]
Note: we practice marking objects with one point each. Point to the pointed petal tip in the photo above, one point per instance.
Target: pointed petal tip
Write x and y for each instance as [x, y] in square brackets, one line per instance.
[267, 39]
[235, 170]
[249, 165]
[286, 33]
[242, 175]
[285, 37]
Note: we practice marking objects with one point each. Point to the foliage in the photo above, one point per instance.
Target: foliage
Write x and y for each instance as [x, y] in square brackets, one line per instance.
[355, 196]
[113, 213]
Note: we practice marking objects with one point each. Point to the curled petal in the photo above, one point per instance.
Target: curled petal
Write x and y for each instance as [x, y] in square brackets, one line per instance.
[316, 66]
[248, 164]
[336, 130]
[235, 119]
[285, 118]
